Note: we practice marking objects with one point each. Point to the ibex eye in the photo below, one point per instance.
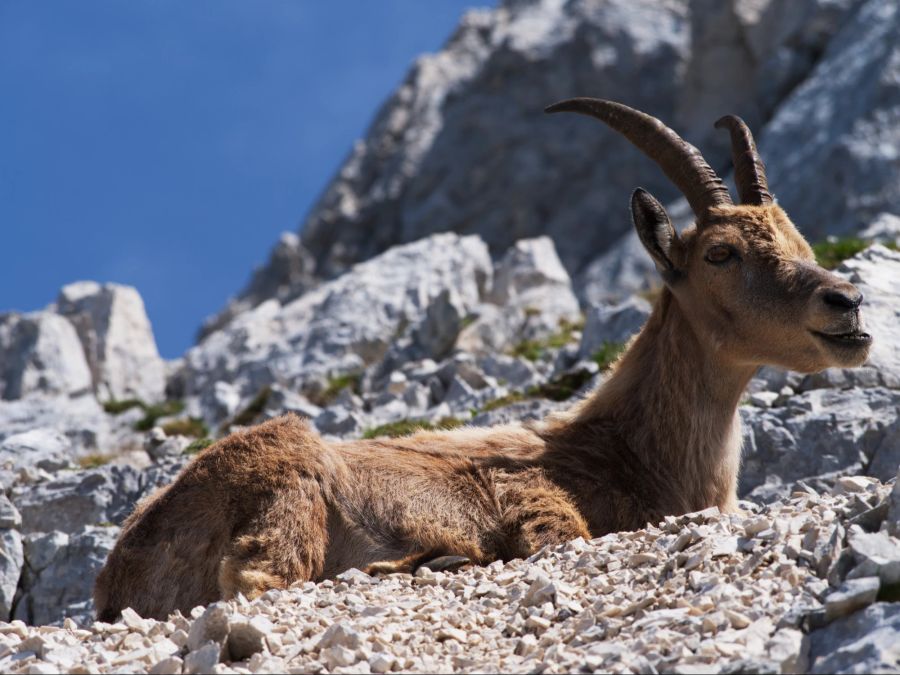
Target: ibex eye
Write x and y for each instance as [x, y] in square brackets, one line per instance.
[718, 254]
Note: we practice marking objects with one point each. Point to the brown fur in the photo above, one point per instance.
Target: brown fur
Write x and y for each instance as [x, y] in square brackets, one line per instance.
[273, 505]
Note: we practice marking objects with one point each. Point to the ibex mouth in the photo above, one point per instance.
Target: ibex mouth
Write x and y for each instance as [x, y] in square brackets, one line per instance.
[852, 339]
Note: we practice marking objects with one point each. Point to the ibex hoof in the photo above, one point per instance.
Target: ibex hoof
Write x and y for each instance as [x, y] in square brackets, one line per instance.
[446, 563]
[383, 568]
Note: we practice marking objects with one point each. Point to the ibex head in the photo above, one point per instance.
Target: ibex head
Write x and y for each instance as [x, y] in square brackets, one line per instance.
[745, 278]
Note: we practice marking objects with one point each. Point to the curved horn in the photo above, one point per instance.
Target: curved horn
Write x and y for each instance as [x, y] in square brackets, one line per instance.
[679, 160]
[749, 172]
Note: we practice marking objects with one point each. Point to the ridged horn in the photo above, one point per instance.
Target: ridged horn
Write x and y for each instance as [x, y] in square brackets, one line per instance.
[749, 171]
[679, 160]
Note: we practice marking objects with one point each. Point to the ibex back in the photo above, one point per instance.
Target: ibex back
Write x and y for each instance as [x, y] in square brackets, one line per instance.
[273, 505]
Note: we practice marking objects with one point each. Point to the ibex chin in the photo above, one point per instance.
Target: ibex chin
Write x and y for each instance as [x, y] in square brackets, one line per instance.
[272, 505]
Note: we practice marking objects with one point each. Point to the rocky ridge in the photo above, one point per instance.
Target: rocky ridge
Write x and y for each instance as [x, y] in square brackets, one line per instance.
[462, 144]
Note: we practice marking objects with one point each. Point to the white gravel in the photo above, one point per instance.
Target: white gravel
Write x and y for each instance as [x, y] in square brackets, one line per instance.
[703, 592]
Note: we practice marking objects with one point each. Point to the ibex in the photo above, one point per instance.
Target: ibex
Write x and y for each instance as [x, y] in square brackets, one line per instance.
[272, 505]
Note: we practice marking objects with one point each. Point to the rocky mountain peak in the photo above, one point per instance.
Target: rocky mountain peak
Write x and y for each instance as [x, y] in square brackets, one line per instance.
[462, 144]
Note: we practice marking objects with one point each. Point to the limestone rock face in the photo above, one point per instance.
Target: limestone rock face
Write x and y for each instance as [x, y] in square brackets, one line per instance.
[80, 420]
[864, 642]
[619, 272]
[41, 447]
[59, 531]
[117, 338]
[11, 561]
[875, 272]
[612, 324]
[60, 574]
[462, 144]
[832, 148]
[58, 364]
[531, 298]
[344, 325]
[286, 275]
[40, 354]
[820, 432]
[76, 499]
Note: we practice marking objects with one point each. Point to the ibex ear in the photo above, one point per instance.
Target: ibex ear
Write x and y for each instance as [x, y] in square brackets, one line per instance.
[655, 230]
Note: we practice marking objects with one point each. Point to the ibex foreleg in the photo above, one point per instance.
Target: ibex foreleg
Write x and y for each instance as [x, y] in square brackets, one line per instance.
[536, 513]
[285, 543]
[436, 561]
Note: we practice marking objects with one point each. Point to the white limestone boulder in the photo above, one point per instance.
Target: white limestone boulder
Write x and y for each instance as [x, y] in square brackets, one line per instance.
[117, 338]
[40, 354]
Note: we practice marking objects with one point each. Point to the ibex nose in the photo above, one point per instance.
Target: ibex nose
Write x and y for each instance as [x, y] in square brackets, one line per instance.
[843, 299]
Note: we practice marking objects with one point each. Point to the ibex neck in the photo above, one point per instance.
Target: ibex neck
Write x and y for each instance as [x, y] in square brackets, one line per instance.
[673, 401]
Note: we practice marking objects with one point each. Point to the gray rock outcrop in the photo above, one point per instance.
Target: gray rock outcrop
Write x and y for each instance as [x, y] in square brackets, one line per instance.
[865, 642]
[76, 499]
[344, 325]
[117, 339]
[55, 536]
[820, 432]
[531, 297]
[11, 555]
[876, 272]
[80, 419]
[836, 136]
[40, 354]
[462, 144]
[612, 325]
[59, 575]
[57, 365]
[285, 276]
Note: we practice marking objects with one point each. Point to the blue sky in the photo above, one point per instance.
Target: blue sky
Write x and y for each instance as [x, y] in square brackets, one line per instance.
[166, 144]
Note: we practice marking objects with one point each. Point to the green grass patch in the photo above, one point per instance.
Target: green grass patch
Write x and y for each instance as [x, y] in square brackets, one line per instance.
[93, 460]
[446, 423]
[503, 401]
[114, 407]
[253, 410]
[408, 427]
[607, 354]
[528, 349]
[186, 426]
[563, 387]
[153, 412]
[534, 349]
[198, 445]
[831, 253]
[335, 386]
